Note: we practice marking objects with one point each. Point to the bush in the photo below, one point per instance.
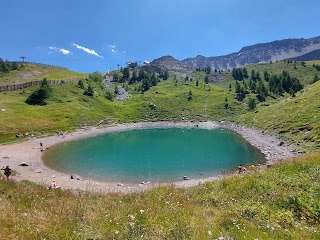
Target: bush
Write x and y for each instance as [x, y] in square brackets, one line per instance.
[89, 91]
[40, 96]
[109, 95]
[252, 104]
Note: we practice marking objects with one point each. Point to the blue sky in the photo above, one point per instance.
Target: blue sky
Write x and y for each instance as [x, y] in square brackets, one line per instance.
[97, 35]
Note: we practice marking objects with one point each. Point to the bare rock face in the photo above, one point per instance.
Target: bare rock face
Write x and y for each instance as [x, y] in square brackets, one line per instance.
[258, 53]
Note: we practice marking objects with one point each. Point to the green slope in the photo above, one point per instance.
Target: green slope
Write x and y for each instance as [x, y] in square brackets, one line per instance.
[32, 72]
[296, 119]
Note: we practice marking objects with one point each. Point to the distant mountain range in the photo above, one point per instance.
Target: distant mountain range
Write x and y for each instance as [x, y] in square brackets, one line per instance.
[295, 49]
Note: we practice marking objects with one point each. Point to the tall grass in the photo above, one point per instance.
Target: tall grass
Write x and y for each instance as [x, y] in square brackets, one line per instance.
[282, 202]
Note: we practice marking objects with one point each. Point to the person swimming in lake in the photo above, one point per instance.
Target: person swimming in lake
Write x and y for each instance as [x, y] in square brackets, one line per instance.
[7, 171]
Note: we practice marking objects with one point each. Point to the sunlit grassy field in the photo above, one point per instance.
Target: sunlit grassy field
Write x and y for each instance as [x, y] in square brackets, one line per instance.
[282, 202]
[31, 72]
[296, 119]
[69, 109]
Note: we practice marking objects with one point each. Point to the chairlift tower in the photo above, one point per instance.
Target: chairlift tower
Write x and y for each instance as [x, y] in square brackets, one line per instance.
[22, 57]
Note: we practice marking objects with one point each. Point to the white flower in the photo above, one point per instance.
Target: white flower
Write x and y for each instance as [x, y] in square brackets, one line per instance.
[131, 217]
[210, 233]
[141, 211]
[116, 231]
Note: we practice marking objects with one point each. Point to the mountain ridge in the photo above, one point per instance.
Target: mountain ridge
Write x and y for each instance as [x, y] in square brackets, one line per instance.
[258, 53]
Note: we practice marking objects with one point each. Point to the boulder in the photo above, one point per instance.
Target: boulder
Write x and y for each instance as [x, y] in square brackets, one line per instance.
[24, 164]
[74, 176]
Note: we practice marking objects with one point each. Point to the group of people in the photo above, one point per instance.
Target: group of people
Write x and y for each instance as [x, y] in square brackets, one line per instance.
[7, 172]
[25, 134]
[242, 168]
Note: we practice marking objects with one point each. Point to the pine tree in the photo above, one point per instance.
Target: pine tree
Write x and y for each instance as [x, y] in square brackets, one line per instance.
[190, 95]
[252, 104]
[226, 105]
[126, 72]
[206, 80]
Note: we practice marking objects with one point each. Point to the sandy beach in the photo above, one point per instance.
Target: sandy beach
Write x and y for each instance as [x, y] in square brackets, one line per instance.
[29, 152]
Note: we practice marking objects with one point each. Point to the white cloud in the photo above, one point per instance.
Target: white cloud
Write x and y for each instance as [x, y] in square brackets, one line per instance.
[65, 51]
[62, 50]
[115, 49]
[87, 50]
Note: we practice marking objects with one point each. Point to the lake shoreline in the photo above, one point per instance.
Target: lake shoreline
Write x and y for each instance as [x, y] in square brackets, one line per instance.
[30, 152]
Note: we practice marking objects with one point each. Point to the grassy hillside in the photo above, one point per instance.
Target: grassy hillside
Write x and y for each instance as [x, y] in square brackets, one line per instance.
[69, 108]
[296, 119]
[31, 72]
[282, 202]
[305, 73]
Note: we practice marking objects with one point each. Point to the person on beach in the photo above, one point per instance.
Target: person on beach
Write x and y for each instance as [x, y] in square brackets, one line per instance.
[54, 185]
[7, 171]
[41, 146]
[241, 169]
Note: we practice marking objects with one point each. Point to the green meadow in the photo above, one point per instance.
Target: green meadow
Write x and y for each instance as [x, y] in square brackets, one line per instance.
[33, 72]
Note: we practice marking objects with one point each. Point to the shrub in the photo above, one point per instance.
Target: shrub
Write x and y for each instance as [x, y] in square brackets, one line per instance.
[40, 96]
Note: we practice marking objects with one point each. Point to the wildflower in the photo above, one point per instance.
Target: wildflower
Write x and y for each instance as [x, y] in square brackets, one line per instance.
[131, 224]
[210, 233]
[131, 217]
[141, 211]
[116, 231]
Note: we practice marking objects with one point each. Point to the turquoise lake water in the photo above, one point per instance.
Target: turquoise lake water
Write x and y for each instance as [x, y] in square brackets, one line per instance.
[156, 155]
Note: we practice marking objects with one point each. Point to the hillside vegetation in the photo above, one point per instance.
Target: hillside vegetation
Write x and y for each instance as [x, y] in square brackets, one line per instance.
[294, 118]
[33, 72]
[282, 202]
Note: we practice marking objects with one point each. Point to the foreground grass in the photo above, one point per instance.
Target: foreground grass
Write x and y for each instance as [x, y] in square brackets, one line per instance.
[282, 202]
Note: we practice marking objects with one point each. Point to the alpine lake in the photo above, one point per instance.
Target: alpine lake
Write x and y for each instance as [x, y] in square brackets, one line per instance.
[154, 154]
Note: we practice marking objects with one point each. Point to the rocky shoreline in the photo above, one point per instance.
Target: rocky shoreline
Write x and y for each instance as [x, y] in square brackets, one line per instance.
[29, 152]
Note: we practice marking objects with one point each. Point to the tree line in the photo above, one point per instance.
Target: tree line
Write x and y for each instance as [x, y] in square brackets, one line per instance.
[270, 85]
[7, 66]
[146, 77]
